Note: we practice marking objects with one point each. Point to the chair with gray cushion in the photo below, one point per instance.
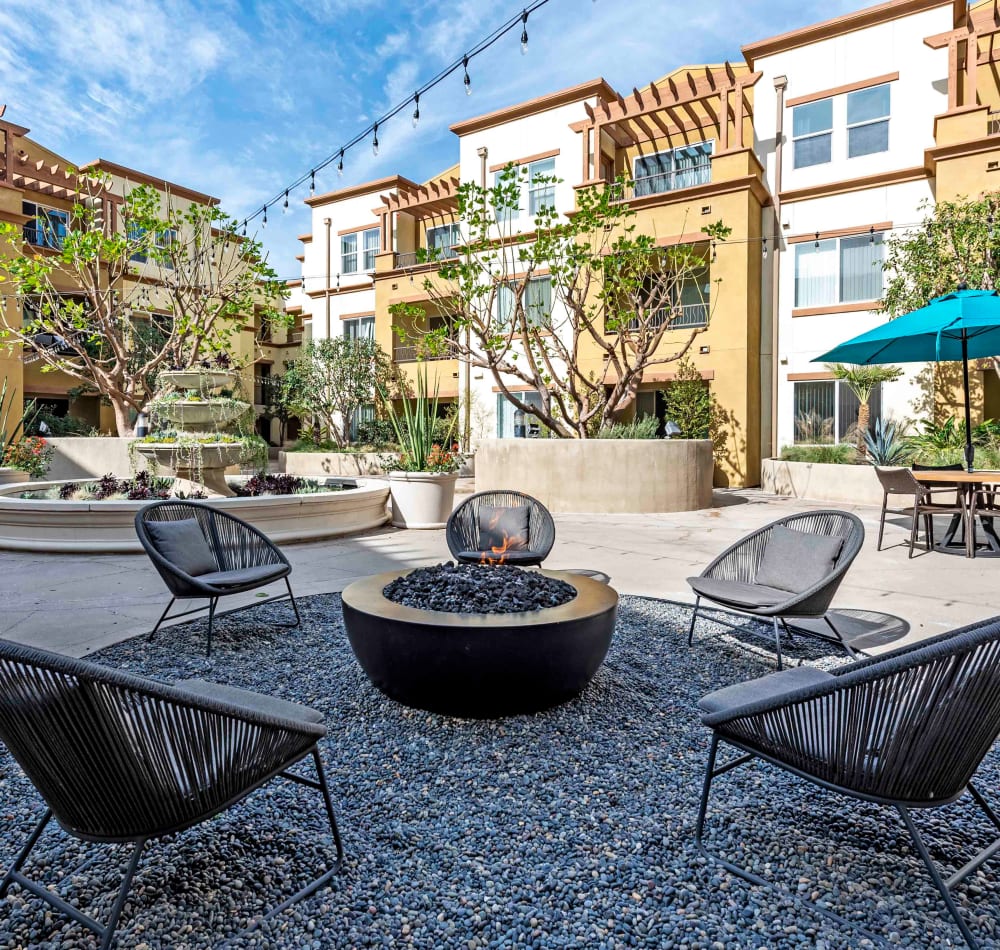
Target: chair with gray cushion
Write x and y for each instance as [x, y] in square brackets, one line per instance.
[789, 569]
[491, 525]
[122, 759]
[203, 553]
[907, 729]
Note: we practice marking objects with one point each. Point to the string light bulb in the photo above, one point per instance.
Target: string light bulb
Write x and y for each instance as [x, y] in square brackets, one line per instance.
[715, 256]
[871, 236]
[764, 246]
[524, 32]
[244, 228]
[263, 223]
[375, 139]
[467, 80]
[817, 240]
[340, 165]
[416, 111]
[284, 207]
[312, 183]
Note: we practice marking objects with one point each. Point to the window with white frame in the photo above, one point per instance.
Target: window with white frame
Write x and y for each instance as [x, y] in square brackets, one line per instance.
[812, 133]
[442, 240]
[839, 270]
[359, 328]
[681, 167]
[162, 241]
[372, 244]
[47, 227]
[868, 121]
[349, 253]
[505, 415]
[537, 303]
[826, 411]
[541, 194]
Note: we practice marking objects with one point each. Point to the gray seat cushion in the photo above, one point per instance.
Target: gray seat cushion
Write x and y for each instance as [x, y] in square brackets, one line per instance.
[738, 594]
[184, 545]
[258, 702]
[260, 574]
[797, 560]
[762, 688]
[505, 529]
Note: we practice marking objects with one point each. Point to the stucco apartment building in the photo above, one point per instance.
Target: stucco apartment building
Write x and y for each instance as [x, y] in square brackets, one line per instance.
[36, 184]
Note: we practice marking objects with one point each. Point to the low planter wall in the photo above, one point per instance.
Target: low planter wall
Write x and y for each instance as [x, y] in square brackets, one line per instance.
[90, 458]
[818, 481]
[349, 464]
[601, 475]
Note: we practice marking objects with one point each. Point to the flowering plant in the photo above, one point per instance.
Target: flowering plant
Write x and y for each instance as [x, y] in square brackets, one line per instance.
[31, 454]
[436, 460]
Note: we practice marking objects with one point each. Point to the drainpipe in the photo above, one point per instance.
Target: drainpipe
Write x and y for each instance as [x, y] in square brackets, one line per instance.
[327, 222]
[780, 82]
[483, 154]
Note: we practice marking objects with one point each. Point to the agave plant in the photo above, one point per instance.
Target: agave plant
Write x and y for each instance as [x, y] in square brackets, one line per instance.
[415, 428]
[886, 445]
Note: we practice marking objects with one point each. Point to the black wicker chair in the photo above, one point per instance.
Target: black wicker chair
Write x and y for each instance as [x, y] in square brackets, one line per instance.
[908, 729]
[732, 580]
[464, 535]
[118, 758]
[240, 558]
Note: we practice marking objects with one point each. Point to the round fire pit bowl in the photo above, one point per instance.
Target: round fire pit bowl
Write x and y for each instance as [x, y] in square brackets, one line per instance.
[480, 666]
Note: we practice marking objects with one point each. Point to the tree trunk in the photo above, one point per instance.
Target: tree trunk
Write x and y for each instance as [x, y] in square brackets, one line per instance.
[120, 407]
[864, 414]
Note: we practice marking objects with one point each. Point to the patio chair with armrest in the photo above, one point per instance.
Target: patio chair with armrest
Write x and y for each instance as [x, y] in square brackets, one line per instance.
[790, 568]
[908, 729]
[122, 759]
[507, 524]
[924, 502]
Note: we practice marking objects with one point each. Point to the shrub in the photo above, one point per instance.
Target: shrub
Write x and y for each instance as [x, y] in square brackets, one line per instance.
[644, 428]
[886, 445]
[264, 483]
[31, 454]
[842, 454]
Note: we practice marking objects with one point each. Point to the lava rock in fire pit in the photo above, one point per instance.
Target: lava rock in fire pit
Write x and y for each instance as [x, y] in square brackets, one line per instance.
[478, 589]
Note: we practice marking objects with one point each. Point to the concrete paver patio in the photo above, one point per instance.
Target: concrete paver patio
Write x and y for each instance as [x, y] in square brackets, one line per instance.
[77, 604]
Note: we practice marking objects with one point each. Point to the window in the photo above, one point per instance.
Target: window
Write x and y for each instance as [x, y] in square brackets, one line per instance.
[868, 121]
[361, 416]
[812, 133]
[441, 241]
[349, 253]
[688, 306]
[505, 416]
[47, 227]
[826, 411]
[372, 245]
[163, 240]
[359, 328]
[834, 271]
[541, 194]
[677, 168]
[537, 302]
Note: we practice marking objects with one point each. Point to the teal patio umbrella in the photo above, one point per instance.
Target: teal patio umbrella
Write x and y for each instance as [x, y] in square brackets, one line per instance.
[957, 327]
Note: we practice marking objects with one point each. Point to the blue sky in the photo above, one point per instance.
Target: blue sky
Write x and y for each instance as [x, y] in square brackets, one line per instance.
[237, 98]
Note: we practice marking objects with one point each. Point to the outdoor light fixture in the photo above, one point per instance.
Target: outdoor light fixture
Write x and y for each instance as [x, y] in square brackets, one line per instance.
[671, 430]
[375, 139]
[524, 33]
[467, 80]
[416, 111]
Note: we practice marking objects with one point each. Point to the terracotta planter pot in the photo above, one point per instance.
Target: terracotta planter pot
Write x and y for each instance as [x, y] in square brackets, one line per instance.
[12, 476]
[422, 499]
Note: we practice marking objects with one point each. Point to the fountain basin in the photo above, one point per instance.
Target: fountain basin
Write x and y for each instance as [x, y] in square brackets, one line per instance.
[200, 380]
[201, 415]
[216, 457]
[107, 527]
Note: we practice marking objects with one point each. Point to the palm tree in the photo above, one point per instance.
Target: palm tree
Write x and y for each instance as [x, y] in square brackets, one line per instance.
[862, 380]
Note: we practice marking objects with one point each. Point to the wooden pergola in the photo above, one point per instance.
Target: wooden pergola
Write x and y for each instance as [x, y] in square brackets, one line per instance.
[966, 53]
[687, 101]
[435, 199]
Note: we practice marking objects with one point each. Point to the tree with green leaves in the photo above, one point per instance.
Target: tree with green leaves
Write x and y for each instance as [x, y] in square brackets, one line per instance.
[862, 380]
[689, 402]
[332, 379]
[574, 308]
[164, 288]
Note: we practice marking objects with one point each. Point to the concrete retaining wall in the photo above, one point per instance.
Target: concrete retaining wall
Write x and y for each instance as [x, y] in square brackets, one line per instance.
[840, 484]
[332, 463]
[90, 458]
[601, 475]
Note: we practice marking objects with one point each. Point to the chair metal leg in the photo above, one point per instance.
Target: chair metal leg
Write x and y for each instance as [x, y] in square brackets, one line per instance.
[949, 901]
[840, 638]
[777, 639]
[694, 618]
[211, 620]
[163, 617]
[913, 528]
[25, 851]
[116, 911]
[295, 606]
[881, 523]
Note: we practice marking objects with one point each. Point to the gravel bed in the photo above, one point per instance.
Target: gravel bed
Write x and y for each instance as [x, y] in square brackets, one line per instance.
[478, 589]
[572, 828]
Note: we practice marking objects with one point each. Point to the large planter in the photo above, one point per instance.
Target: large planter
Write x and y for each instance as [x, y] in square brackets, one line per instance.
[822, 481]
[422, 499]
[12, 476]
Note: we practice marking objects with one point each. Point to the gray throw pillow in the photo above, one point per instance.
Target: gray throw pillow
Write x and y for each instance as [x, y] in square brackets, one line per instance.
[497, 524]
[183, 544]
[796, 560]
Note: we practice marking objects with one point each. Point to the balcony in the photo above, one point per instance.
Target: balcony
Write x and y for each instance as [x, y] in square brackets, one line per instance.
[663, 182]
[405, 259]
[410, 354]
[685, 317]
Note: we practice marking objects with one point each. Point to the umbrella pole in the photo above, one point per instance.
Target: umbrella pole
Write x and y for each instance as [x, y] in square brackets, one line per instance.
[970, 452]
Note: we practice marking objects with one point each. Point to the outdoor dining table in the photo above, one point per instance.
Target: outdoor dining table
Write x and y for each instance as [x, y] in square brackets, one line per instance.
[970, 485]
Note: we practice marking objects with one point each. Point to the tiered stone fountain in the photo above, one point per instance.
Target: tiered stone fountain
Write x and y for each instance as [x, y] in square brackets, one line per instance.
[197, 466]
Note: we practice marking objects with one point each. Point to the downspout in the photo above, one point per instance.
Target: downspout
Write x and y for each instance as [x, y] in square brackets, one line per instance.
[327, 222]
[780, 82]
[483, 153]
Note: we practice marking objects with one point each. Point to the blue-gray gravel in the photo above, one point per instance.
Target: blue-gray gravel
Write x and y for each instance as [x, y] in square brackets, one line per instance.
[572, 828]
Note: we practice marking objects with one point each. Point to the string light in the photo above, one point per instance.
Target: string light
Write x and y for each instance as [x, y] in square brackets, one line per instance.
[375, 139]
[284, 207]
[871, 235]
[340, 165]
[416, 111]
[817, 240]
[467, 80]
[714, 254]
[263, 223]
[764, 246]
[312, 183]
[524, 32]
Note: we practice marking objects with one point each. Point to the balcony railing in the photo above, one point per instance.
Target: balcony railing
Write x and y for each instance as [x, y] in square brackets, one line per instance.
[410, 354]
[264, 390]
[404, 259]
[684, 317]
[662, 182]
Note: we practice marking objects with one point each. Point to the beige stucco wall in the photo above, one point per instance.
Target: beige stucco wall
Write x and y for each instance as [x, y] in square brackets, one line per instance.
[601, 475]
[331, 463]
[90, 458]
[838, 484]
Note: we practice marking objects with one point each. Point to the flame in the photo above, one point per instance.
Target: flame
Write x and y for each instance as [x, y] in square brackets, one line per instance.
[496, 555]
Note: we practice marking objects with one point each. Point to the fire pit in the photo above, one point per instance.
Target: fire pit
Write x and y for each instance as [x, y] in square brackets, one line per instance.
[496, 660]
